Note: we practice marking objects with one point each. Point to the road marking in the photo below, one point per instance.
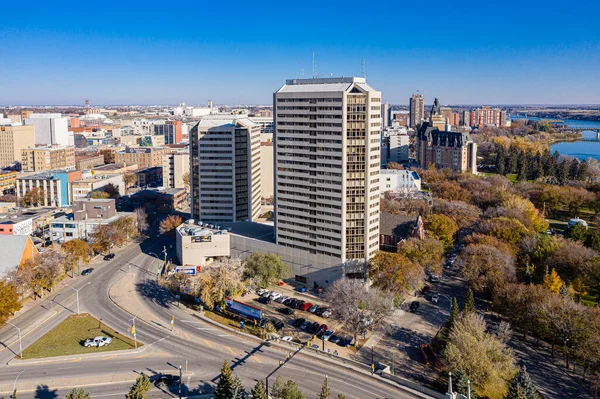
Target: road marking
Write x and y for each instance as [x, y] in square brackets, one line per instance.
[230, 350]
[208, 343]
[224, 335]
[186, 336]
[76, 360]
[109, 357]
[205, 328]
[256, 359]
[32, 330]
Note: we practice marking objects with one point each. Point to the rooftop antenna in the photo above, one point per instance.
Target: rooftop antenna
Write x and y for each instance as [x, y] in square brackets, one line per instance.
[313, 66]
[364, 68]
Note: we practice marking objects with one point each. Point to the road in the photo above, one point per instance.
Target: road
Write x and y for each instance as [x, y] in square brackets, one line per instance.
[202, 345]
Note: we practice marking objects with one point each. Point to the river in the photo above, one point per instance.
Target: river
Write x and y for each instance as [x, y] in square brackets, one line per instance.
[578, 149]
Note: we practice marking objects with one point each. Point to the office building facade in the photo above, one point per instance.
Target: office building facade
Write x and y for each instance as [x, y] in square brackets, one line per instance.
[175, 165]
[225, 179]
[50, 129]
[327, 150]
[416, 109]
[170, 130]
[12, 140]
[144, 157]
[39, 159]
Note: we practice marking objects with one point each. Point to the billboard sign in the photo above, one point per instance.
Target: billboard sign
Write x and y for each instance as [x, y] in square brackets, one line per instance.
[186, 269]
[242, 309]
[205, 238]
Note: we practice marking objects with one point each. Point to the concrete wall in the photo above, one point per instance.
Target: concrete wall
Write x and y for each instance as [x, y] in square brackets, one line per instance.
[199, 253]
[266, 166]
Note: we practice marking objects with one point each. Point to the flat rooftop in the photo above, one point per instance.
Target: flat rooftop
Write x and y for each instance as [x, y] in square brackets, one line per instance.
[258, 231]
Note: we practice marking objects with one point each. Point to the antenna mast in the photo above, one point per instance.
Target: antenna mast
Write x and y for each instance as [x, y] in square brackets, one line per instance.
[364, 68]
[313, 66]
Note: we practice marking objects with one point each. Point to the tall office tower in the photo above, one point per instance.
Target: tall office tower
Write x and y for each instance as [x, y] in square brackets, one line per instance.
[49, 128]
[225, 180]
[171, 130]
[385, 114]
[327, 138]
[12, 140]
[416, 109]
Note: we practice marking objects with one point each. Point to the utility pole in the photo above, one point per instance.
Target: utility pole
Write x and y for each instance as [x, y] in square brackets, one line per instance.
[77, 293]
[14, 395]
[20, 342]
[180, 378]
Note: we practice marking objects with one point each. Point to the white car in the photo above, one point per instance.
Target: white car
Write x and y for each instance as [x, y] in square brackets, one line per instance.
[266, 294]
[97, 342]
[287, 338]
[435, 298]
[434, 278]
[261, 291]
[327, 313]
[274, 295]
[281, 299]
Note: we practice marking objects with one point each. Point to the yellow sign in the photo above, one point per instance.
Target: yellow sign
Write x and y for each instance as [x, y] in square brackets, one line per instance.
[132, 330]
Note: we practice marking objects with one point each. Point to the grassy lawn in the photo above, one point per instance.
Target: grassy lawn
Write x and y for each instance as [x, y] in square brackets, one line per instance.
[67, 339]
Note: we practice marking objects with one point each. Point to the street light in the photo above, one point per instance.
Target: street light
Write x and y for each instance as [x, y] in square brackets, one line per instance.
[77, 293]
[157, 264]
[14, 395]
[372, 359]
[20, 343]
[448, 299]
[134, 332]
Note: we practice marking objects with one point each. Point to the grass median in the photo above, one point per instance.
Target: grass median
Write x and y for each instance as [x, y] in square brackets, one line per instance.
[67, 339]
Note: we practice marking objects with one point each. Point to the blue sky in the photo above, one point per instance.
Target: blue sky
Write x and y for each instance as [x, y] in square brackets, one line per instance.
[134, 52]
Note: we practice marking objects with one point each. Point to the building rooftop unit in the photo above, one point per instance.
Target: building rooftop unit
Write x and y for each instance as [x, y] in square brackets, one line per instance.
[70, 218]
[113, 166]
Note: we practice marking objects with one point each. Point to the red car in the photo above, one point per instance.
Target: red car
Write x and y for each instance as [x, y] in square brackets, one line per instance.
[426, 289]
[306, 306]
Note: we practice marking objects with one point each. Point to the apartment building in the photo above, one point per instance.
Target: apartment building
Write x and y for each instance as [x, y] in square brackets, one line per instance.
[50, 184]
[175, 165]
[225, 180]
[486, 116]
[12, 140]
[399, 181]
[416, 109]
[144, 157]
[39, 159]
[327, 139]
[88, 161]
[8, 179]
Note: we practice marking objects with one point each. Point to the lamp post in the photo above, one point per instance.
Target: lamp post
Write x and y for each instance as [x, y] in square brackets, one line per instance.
[77, 293]
[14, 395]
[180, 378]
[133, 331]
[20, 342]
[372, 359]
[157, 264]
[448, 299]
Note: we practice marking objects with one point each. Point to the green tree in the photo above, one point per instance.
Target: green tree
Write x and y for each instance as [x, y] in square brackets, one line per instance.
[99, 194]
[427, 252]
[469, 302]
[237, 389]
[582, 172]
[522, 168]
[500, 160]
[513, 159]
[442, 227]
[265, 269]
[259, 392]
[454, 313]
[563, 172]
[521, 387]
[78, 393]
[325, 391]
[9, 301]
[140, 389]
[224, 389]
[461, 384]
[573, 169]
[287, 390]
[577, 232]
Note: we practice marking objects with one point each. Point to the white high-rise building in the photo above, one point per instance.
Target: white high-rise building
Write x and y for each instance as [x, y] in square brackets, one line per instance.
[225, 179]
[327, 139]
[50, 129]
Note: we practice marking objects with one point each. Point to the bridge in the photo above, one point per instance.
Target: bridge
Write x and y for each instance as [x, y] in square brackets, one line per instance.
[580, 130]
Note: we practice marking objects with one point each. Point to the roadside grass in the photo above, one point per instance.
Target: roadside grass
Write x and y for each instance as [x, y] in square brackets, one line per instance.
[67, 339]
[589, 299]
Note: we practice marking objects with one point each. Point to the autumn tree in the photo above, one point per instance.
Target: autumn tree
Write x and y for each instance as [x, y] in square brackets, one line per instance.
[428, 252]
[480, 355]
[127, 228]
[395, 273]
[78, 393]
[357, 304]
[104, 237]
[214, 284]
[76, 251]
[99, 194]
[442, 227]
[141, 218]
[265, 269]
[170, 223]
[186, 181]
[463, 214]
[450, 191]
[507, 229]
[9, 301]
[130, 180]
[286, 390]
[34, 197]
[486, 267]
[553, 282]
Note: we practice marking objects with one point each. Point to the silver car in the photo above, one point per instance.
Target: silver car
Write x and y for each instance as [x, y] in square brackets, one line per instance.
[97, 342]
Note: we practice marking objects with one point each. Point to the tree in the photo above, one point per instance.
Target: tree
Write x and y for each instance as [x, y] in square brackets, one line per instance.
[99, 194]
[505, 228]
[357, 304]
[76, 251]
[454, 313]
[481, 356]
[577, 232]
[140, 388]
[105, 237]
[442, 227]
[469, 302]
[186, 181]
[216, 283]
[427, 252]
[522, 168]
[486, 267]
[9, 301]
[573, 169]
[465, 215]
[258, 392]
[141, 218]
[265, 269]
[34, 197]
[521, 387]
[237, 389]
[394, 272]
[461, 384]
[169, 224]
[325, 391]
[130, 180]
[78, 393]
[287, 390]
[341, 396]
[224, 388]
[553, 282]
[563, 172]
[127, 228]
[112, 190]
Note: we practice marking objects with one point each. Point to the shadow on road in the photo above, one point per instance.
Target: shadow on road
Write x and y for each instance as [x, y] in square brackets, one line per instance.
[43, 392]
[159, 295]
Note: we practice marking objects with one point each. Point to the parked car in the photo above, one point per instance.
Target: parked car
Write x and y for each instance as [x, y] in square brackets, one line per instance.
[287, 338]
[281, 299]
[109, 256]
[327, 313]
[261, 291]
[298, 322]
[286, 311]
[265, 300]
[264, 322]
[97, 342]
[275, 295]
[166, 380]
[434, 279]
[87, 271]
[414, 306]
[321, 330]
[425, 289]
[320, 311]
[335, 339]
[299, 303]
[300, 289]
[287, 301]
[435, 298]
[278, 325]
[304, 325]
[327, 335]
[346, 341]
[305, 306]
[266, 294]
[313, 328]
[313, 308]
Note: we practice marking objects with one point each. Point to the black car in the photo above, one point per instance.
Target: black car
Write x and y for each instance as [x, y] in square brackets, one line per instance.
[265, 300]
[278, 325]
[292, 303]
[299, 303]
[286, 311]
[335, 339]
[313, 328]
[166, 380]
[87, 271]
[414, 306]
[109, 256]
[320, 310]
[264, 322]
[298, 322]
[347, 340]
[287, 301]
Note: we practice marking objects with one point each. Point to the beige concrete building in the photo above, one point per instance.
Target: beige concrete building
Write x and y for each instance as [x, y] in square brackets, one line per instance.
[39, 159]
[84, 187]
[114, 169]
[327, 159]
[225, 180]
[199, 245]
[175, 165]
[85, 162]
[266, 168]
[144, 157]
[12, 140]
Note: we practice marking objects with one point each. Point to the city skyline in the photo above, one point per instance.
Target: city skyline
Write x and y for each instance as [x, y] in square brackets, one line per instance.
[149, 54]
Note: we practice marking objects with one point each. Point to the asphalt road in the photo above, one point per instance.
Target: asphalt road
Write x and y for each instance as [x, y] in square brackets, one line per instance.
[202, 345]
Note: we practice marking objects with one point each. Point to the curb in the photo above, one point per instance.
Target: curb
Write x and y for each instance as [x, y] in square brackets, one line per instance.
[18, 362]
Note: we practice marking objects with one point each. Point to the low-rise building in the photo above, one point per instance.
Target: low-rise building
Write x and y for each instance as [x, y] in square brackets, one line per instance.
[393, 229]
[6, 206]
[144, 157]
[146, 176]
[399, 181]
[84, 187]
[39, 159]
[15, 250]
[114, 169]
[16, 224]
[159, 200]
[200, 245]
[49, 183]
[8, 180]
[175, 165]
[88, 161]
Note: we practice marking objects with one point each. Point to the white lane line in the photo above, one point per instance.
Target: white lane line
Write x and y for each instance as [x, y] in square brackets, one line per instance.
[224, 335]
[205, 328]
